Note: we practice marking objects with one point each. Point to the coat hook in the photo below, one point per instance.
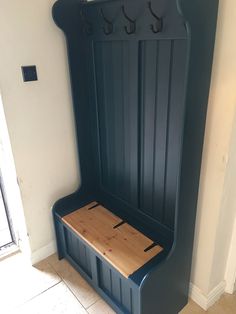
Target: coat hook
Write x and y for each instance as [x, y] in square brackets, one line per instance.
[158, 27]
[109, 27]
[132, 26]
[88, 26]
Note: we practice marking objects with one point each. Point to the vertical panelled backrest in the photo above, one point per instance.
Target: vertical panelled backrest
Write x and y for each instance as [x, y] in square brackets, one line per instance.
[139, 87]
[118, 118]
[162, 67]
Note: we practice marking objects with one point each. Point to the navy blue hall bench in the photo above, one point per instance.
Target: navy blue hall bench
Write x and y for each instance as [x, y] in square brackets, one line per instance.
[140, 76]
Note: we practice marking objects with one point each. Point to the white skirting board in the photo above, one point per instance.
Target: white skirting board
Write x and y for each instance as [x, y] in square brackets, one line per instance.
[205, 301]
[230, 271]
[43, 253]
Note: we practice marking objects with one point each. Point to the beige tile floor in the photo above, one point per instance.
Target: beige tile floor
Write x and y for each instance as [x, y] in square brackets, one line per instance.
[53, 287]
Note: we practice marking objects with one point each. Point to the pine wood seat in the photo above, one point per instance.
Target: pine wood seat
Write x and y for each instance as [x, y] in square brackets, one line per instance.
[119, 243]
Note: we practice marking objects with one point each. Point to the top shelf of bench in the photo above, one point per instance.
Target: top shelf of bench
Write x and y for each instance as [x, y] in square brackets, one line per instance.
[120, 244]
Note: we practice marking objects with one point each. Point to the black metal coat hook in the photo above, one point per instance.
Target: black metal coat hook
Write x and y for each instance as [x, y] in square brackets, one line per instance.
[88, 26]
[108, 29]
[132, 23]
[158, 27]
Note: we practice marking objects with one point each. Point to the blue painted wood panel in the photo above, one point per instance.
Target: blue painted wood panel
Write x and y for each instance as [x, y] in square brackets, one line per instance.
[78, 251]
[118, 288]
[141, 121]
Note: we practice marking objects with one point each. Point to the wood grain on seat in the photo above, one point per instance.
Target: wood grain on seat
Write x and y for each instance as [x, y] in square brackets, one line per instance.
[123, 247]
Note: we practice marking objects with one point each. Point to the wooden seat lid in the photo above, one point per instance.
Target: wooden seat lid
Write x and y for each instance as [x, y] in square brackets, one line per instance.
[123, 246]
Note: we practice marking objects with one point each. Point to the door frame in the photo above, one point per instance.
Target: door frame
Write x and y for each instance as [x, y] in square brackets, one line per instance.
[8, 217]
[11, 187]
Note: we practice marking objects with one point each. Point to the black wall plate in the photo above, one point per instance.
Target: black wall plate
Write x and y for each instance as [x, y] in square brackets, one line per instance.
[29, 73]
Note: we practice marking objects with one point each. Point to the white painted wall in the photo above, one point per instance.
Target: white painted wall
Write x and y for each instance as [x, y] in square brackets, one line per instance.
[39, 114]
[227, 216]
[216, 204]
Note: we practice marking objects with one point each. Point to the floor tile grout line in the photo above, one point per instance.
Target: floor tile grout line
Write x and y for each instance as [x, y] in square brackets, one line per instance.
[37, 295]
[62, 279]
[86, 308]
[74, 295]
[93, 303]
